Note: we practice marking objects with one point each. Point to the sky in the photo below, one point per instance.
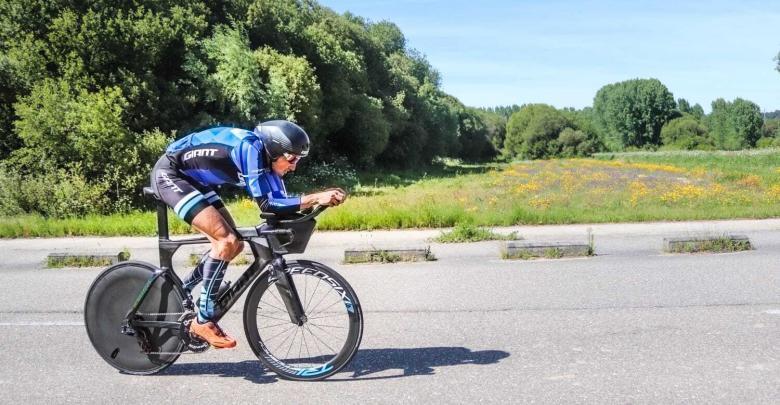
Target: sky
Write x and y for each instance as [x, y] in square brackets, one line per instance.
[561, 52]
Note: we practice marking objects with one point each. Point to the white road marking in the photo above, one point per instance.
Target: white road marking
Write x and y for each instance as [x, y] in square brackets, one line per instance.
[773, 312]
[51, 323]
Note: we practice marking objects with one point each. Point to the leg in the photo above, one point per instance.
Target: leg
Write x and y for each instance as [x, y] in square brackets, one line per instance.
[224, 247]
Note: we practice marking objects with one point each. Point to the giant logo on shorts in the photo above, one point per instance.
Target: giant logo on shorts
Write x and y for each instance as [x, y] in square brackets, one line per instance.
[199, 152]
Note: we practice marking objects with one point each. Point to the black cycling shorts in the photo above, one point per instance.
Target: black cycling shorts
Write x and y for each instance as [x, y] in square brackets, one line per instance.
[186, 196]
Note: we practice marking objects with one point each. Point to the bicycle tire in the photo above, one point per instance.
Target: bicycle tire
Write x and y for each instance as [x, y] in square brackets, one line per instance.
[309, 277]
[111, 296]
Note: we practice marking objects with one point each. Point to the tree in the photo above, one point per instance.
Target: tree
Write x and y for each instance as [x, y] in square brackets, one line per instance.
[735, 125]
[473, 136]
[632, 112]
[686, 132]
[532, 131]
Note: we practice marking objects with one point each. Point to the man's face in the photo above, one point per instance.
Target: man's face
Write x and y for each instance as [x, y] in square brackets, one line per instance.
[285, 163]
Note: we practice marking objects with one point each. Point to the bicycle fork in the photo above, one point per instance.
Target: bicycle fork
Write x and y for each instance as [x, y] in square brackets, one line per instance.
[288, 292]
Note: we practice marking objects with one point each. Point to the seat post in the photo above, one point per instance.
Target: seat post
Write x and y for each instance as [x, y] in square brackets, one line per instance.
[162, 220]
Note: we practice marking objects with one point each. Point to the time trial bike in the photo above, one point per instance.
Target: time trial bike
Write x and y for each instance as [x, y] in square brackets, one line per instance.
[301, 318]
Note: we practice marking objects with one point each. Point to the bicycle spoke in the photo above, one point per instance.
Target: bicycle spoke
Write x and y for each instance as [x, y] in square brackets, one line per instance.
[278, 299]
[320, 302]
[321, 341]
[271, 317]
[291, 344]
[303, 335]
[325, 316]
[316, 345]
[324, 330]
[276, 335]
[274, 325]
[328, 307]
[329, 326]
[272, 306]
[312, 295]
[305, 288]
[300, 346]
[285, 340]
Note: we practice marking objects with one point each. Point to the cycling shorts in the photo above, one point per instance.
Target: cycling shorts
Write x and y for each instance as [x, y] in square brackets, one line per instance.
[184, 195]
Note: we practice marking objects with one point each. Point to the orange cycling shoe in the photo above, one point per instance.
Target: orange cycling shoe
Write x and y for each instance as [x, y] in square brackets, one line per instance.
[212, 333]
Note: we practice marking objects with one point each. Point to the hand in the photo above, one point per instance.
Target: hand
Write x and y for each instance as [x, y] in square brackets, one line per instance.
[331, 197]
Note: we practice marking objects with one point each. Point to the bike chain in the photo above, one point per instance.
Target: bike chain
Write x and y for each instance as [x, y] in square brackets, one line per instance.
[196, 348]
[160, 313]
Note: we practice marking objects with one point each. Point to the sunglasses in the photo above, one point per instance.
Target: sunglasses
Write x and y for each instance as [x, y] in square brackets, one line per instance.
[292, 159]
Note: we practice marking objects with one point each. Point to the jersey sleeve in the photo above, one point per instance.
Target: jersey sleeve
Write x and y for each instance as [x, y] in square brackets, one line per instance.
[274, 198]
[263, 185]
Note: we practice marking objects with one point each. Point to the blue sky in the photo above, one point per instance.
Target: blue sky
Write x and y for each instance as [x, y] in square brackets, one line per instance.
[561, 52]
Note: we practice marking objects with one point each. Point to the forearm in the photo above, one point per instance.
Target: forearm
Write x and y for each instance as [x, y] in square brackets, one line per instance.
[279, 205]
[308, 201]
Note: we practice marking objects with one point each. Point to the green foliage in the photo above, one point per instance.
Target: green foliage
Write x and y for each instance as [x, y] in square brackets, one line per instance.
[735, 125]
[539, 131]
[686, 132]
[465, 232]
[474, 136]
[58, 194]
[314, 175]
[632, 112]
[96, 88]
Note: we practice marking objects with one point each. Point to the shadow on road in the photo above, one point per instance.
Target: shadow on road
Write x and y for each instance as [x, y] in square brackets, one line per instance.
[250, 370]
[410, 362]
[416, 361]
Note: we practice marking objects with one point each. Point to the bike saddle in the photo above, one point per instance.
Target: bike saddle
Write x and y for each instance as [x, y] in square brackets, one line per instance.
[148, 191]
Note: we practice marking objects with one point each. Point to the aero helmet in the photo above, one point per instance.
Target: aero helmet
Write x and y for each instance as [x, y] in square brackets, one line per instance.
[280, 137]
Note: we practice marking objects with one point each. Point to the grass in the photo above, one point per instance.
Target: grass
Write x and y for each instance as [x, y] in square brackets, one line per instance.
[471, 233]
[722, 244]
[86, 260]
[388, 256]
[625, 187]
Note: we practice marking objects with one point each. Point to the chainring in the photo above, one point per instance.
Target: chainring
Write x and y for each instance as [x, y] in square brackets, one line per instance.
[194, 343]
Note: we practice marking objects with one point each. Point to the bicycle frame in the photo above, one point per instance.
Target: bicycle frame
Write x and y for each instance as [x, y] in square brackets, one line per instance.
[267, 250]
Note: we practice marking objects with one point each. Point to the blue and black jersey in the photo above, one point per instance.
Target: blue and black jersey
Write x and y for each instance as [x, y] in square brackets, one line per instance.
[234, 156]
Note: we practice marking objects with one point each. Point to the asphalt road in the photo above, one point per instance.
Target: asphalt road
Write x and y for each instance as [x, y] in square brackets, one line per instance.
[631, 325]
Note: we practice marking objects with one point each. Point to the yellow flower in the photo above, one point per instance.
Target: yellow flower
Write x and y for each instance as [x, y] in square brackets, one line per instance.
[638, 190]
[683, 192]
[527, 187]
[750, 180]
[540, 202]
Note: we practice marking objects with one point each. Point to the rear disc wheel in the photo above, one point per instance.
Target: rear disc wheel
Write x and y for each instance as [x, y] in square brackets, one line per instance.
[109, 299]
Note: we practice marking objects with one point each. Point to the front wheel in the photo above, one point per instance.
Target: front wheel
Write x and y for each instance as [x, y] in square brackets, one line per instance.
[324, 343]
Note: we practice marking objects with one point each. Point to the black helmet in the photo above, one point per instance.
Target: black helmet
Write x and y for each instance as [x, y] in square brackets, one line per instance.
[280, 137]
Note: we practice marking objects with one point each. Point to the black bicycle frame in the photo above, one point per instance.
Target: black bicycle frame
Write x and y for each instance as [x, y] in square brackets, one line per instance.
[266, 249]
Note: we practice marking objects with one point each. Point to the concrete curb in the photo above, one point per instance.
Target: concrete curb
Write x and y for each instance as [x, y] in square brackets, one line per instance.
[387, 255]
[60, 260]
[707, 243]
[550, 250]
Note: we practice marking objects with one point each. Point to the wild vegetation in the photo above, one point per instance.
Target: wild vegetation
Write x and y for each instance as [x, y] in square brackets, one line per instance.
[92, 92]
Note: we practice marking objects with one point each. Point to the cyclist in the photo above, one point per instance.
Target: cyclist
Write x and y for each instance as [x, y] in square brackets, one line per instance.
[185, 178]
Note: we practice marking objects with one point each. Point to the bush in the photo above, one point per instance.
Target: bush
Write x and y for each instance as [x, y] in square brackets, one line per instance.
[687, 133]
[59, 194]
[317, 175]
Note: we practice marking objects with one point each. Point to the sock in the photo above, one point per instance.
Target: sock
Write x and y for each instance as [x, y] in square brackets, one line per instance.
[196, 276]
[213, 272]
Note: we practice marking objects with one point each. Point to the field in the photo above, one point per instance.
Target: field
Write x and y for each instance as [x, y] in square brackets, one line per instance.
[607, 188]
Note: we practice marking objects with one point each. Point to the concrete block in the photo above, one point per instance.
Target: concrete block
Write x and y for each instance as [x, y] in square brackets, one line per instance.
[59, 260]
[387, 255]
[550, 250]
[707, 243]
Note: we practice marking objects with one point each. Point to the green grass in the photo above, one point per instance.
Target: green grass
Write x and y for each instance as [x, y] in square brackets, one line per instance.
[624, 187]
[471, 233]
[719, 245]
